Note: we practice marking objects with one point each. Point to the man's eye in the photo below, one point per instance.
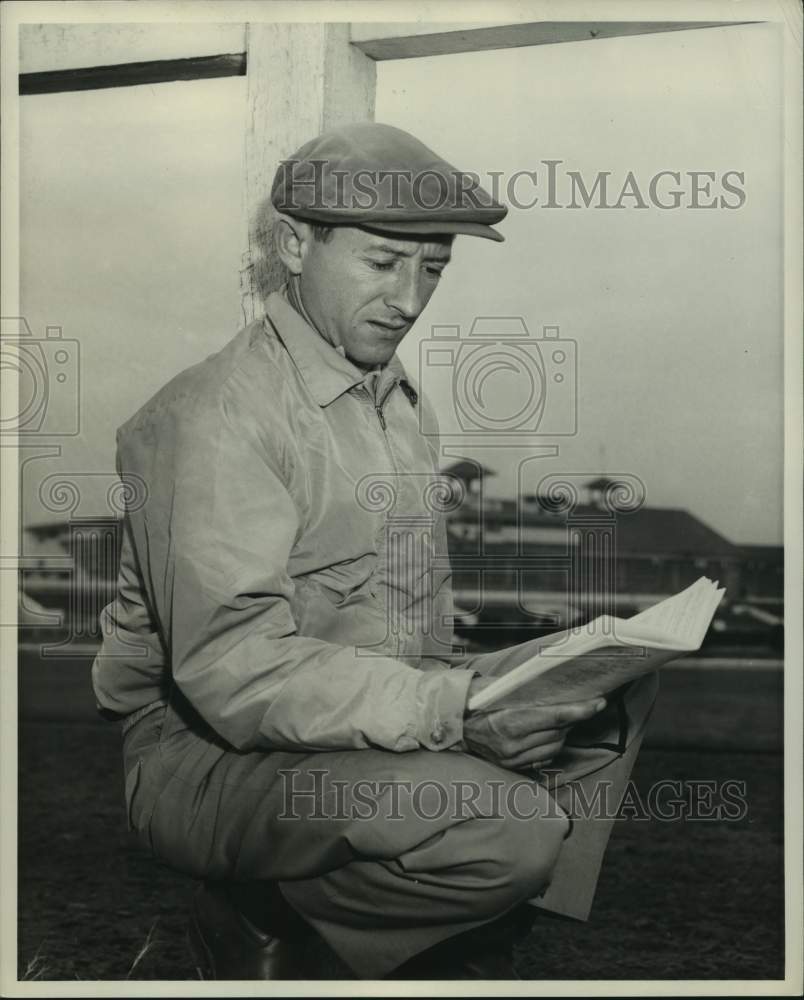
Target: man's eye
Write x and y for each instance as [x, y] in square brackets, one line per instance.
[435, 272]
[382, 265]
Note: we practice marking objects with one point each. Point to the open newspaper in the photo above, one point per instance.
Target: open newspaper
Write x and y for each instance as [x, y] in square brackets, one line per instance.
[598, 657]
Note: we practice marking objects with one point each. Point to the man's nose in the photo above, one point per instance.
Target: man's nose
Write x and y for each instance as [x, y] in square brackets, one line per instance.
[408, 295]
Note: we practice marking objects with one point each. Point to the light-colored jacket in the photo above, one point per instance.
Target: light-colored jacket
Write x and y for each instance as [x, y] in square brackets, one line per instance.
[287, 569]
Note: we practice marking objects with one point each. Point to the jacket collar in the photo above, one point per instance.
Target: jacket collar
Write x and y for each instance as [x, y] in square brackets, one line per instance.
[326, 372]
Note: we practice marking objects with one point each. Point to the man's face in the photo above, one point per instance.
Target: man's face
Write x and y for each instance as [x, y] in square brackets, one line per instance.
[364, 291]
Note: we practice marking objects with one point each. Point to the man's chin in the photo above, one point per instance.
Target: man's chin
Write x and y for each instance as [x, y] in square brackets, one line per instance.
[371, 358]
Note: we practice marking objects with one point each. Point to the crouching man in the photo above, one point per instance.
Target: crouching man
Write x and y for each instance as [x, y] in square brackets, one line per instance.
[296, 731]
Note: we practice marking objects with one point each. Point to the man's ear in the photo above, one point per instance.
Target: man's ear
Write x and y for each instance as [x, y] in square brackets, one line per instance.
[291, 240]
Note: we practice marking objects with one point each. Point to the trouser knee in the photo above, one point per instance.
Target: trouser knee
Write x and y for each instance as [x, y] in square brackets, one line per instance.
[519, 858]
[532, 851]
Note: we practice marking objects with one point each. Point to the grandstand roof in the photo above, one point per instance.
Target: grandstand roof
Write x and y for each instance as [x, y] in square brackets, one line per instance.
[649, 531]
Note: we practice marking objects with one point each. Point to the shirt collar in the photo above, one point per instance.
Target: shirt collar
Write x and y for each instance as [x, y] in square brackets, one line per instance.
[326, 372]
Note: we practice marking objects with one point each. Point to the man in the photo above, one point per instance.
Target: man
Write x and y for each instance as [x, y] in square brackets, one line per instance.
[296, 726]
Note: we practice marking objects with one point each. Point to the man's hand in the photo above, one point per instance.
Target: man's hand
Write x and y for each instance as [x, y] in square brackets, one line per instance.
[522, 737]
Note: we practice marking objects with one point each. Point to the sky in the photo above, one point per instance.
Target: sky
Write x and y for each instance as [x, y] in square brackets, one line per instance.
[131, 238]
[676, 314]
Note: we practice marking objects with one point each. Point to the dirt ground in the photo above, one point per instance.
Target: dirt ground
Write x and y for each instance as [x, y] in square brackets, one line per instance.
[676, 900]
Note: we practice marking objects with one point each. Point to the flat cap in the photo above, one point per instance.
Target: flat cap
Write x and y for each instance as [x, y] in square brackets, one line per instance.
[380, 177]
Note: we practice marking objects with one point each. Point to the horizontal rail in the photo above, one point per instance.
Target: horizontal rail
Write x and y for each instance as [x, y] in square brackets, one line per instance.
[402, 41]
[394, 45]
[133, 74]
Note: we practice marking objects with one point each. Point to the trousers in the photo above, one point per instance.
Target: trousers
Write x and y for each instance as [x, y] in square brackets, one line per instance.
[384, 854]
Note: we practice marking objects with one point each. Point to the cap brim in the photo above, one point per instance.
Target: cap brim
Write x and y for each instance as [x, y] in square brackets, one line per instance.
[434, 229]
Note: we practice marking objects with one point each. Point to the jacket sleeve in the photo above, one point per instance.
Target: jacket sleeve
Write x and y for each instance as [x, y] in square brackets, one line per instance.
[214, 539]
[129, 669]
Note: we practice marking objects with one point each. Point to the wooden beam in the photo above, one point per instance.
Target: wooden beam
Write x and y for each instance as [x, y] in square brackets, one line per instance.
[133, 74]
[104, 42]
[302, 79]
[406, 41]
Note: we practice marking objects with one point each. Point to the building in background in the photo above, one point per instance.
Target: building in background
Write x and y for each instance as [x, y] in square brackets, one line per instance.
[520, 568]
[68, 574]
[527, 566]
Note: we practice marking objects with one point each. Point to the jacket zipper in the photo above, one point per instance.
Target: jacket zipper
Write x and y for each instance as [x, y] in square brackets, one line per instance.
[384, 426]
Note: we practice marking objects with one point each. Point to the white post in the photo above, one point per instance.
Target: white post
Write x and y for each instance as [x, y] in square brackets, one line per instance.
[302, 79]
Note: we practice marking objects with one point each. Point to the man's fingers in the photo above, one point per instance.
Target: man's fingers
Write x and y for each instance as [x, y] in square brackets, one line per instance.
[539, 756]
[519, 721]
[573, 712]
[519, 736]
[539, 740]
